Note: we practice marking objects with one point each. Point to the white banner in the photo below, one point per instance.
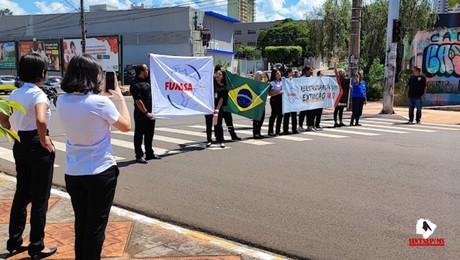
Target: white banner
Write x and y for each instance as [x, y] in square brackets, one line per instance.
[309, 93]
[181, 86]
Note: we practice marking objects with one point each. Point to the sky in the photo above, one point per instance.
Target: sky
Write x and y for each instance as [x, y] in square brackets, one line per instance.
[267, 10]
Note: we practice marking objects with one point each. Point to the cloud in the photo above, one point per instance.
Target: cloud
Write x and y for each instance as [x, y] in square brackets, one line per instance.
[50, 8]
[14, 7]
[280, 9]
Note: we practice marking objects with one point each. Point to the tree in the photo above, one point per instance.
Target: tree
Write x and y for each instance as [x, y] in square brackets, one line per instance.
[5, 12]
[375, 80]
[6, 108]
[373, 31]
[283, 54]
[286, 33]
[247, 52]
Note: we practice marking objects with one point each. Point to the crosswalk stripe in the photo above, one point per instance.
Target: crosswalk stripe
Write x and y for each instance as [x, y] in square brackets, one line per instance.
[383, 130]
[401, 128]
[416, 125]
[180, 131]
[403, 121]
[166, 139]
[7, 154]
[247, 141]
[324, 135]
[284, 137]
[62, 147]
[349, 132]
[130, 145]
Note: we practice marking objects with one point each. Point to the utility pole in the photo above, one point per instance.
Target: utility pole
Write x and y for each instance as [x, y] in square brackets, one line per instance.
[83, 27]
[390, 59]
[355, 42]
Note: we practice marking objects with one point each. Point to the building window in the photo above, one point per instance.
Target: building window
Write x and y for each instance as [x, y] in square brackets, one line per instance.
[251, 32]
[252, 44]
[237, 32]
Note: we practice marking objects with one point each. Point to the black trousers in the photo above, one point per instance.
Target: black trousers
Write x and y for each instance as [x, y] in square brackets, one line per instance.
[144, 129]
[286, 116]
[338, 111]
[357, 108]
[218, 130]
[229, 122]
[257, 125]
[311, 115]
[302, 117]
[318, 114]
[34, 175]
[277, 114]
[92, 197]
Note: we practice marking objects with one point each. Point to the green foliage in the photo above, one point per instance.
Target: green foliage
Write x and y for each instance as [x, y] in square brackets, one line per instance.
[286, 33]
[373, 29]
[224, 64]
[247, 52]
[6, 108]
[452, 3]
[283, 54]
[5, 12]
[375, 80]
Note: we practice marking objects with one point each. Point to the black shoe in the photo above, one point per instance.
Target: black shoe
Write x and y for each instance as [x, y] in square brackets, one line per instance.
[16, 250]
[295, 132]
[153, 157]
[286, 133]
[341, 124]
[41, 254]
[236, 138]
[271, 134]
[357, 124]
[141, 160]
[336, 125]
[257, 136]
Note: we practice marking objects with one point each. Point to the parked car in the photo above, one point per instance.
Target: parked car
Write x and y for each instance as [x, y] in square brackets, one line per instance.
[55, 81]
[7, 83]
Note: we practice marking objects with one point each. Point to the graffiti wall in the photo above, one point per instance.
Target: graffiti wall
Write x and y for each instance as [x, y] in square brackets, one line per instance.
[437, 53]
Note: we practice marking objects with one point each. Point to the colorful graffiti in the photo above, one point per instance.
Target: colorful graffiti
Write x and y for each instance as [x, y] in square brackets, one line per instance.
[437, 53]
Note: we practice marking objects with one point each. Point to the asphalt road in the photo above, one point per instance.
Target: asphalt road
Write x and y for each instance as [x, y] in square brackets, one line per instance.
[354, 194]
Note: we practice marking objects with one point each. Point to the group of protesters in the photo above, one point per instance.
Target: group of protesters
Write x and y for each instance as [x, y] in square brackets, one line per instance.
[311, 117]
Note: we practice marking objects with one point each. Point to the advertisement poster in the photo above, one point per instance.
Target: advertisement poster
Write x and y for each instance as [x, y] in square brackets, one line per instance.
[104, 49]
[7, 55]
[49, 49]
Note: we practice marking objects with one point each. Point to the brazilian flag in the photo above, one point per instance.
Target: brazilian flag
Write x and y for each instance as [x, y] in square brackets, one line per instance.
[246, 97]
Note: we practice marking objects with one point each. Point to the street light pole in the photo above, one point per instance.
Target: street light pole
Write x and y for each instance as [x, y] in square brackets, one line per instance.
[390, 59]
[355, 34]
[83, 26]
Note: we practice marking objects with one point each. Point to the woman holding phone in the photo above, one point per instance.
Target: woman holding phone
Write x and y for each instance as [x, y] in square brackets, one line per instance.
[91, 170]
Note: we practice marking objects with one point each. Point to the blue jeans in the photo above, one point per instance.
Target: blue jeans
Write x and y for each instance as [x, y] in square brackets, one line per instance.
[415, 103]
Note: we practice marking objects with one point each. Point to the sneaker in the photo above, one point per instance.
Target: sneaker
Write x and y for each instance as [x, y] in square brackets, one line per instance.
[271, 134]
[319, 128]
[410, 122]
[141, 160]
[208, 144]
[300, 129]
[310, 129]
[419, 122]
[222, 145]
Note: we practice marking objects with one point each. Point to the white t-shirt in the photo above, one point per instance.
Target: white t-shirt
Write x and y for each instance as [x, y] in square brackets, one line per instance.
[28, 96]
[86, 119]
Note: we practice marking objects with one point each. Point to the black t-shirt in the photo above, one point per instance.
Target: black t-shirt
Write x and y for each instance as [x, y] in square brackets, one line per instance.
[140, 89]
[416, 86]
[220, 91]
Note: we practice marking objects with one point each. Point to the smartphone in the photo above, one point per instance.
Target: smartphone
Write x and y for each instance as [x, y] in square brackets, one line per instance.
[110, 80]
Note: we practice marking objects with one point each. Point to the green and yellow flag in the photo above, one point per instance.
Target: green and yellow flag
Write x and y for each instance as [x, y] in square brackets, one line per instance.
[246, 97]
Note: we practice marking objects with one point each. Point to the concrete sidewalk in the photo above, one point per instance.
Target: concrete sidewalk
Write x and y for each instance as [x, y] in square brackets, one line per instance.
[429, 114]
[128, 235]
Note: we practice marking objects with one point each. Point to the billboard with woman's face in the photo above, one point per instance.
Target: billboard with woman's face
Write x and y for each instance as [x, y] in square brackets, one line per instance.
[48, 49]
[7, 55]
[104, 49]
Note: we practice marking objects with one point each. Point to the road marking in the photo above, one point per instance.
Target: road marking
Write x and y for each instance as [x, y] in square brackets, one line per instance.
[383, 130]
[130, 145]
[62, 147]
[246, 141]
[177, 131]
[403, 121]
[415, 125]
[181, 142]
[402, 128]
[349, 132]
[7, 154]
[323, 135]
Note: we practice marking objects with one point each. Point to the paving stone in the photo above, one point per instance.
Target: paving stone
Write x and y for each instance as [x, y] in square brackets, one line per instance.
[159, 251]
[5, 209]
[195, 258]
